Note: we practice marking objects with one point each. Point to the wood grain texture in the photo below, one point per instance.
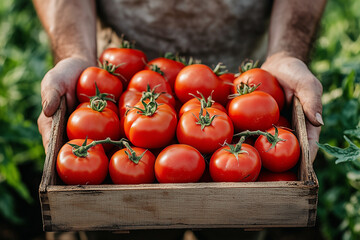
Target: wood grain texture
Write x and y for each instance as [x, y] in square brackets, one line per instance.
[193, 205]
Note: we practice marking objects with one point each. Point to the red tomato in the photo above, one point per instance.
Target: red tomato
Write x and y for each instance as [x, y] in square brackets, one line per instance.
[74, 170]
[283, 122]
[131, 170]
[283, 156]
[269, 84]
[179, 163]
[195, 103]
[253, 111]
[153, 131]
[106, 82]
[86, 122]
[169, 67]
[132, 97]
[267, 176]
[129, 61]
[225, 167]
[110, 105]
[199, 77]
[208, 138]
[140, 81]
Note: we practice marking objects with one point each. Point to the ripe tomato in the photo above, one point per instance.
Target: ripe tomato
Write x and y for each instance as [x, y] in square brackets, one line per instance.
[227, 166]
[179, 163]
[153, 130]
[196, 103]
[128, 61]
[169, 67]
[106, 82]
[269, 84]
[283, 156]
[96, 125]
[207, 134]
[109, 104]
[74, 170]
[141, 80]
[134, 167]
[253, 111]
[267, 176]
[132, 97]
[199, 77]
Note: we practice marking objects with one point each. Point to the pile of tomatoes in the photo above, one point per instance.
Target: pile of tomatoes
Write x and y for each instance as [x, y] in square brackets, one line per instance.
[168, 122]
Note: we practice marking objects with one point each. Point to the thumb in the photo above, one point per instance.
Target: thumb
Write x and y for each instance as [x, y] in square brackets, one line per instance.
[309, 93]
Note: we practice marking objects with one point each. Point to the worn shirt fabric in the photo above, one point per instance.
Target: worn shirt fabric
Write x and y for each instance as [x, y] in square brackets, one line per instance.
[213, 31]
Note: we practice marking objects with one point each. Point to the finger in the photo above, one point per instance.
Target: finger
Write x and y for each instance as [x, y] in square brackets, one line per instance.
[313, 133]
[51, 92]
[44, 125]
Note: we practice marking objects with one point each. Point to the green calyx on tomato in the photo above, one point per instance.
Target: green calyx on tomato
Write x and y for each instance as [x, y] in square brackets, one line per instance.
[132, 154]
[155, 68]
[243, 89]
[220, 69]
[206, 120]
[102, 96]
[236, 149]
[272, 139]
[125, 43]
[81, 151]
[205, 103]
[149, 108]
[109, 67]
[248, 64]
[150, 93]
[98, 104]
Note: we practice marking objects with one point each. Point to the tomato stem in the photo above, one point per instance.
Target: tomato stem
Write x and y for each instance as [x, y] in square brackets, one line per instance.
[98, 104]
[81, 151]
[236, 149]
[205, 103]
[132, 154]
[109, 67]
[155, 68]
[244, 88]
[206, 120]
[248, 64]
[220, 69]
[272, 139]
[149, 108]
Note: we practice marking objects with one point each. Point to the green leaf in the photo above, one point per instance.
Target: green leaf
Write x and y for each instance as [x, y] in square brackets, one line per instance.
[7, 207]
[349, 154]
[353, 132]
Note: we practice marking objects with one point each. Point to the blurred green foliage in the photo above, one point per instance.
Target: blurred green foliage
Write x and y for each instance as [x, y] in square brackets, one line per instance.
[24, 59]
[336, 61]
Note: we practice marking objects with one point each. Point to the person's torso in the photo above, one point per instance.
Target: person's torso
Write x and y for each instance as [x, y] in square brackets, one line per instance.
[213, 31]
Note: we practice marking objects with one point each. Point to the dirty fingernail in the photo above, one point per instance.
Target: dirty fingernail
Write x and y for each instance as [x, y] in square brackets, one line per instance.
[319, 118]
[44, 105]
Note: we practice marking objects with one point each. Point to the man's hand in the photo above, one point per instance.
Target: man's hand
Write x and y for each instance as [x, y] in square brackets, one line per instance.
[297, 80]
[59, 81]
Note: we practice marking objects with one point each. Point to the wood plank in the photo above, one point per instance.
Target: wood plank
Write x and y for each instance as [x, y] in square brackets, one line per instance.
[180, 206]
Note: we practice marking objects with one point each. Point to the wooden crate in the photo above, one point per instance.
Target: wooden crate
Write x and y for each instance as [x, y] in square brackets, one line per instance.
[191, 205]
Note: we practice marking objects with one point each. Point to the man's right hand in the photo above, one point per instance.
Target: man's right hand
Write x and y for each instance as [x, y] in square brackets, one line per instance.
[59, 81]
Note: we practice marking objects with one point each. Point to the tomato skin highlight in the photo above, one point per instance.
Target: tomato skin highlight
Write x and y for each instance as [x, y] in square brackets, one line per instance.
[154, 131]
[106, 82]
[283, 156]
[210, 138]
[268, 83]
[253, 111]
[224, 167]
[199, 77]
[179, 163]
[123, 171]
[129, 62]
[169, 67]
[74, 170]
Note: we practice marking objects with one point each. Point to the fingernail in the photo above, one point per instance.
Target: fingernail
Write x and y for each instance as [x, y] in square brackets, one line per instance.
[319, 118]
[44, 105]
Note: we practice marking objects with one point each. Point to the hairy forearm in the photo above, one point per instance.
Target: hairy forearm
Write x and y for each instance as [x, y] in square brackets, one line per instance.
[71, 27]
[293, 26]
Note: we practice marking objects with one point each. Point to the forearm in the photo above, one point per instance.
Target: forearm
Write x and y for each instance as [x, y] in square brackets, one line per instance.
[71, 27]
[293, 26]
